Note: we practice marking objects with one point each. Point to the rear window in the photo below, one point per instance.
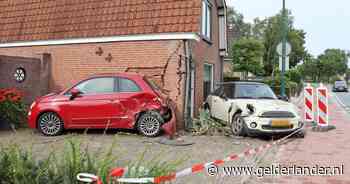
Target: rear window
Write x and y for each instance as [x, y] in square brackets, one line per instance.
[152, 84]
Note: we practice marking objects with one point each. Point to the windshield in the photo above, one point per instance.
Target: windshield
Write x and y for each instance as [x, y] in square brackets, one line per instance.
[254, 91]
[340, 83]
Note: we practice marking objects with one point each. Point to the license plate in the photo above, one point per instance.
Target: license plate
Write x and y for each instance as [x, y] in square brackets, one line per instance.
[280, 123]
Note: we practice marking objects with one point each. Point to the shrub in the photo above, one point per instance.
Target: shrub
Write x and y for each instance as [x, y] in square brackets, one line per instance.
[18, 165]
[12, 109]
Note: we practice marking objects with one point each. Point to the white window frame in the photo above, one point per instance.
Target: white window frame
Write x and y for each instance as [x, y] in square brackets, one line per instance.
[206, 20]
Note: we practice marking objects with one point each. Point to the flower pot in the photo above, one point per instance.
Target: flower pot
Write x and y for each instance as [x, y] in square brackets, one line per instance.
[5, 125]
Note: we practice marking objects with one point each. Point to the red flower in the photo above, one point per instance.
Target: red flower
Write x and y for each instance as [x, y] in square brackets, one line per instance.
[2, 99]
[11, 94]
[15, 98]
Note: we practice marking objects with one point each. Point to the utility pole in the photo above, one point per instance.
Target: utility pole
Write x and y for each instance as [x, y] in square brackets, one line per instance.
[284, 43]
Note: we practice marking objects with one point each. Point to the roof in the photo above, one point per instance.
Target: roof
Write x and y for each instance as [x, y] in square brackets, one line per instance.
[29, 20]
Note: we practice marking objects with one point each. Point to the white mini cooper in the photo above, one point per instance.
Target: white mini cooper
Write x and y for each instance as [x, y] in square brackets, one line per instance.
[252, 108]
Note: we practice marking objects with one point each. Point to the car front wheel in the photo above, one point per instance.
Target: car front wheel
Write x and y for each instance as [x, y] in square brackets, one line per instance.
[238, 126]
[149, 124]
[50, 124]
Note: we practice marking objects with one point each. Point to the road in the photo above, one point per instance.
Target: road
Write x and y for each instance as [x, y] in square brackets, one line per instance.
[343, 99]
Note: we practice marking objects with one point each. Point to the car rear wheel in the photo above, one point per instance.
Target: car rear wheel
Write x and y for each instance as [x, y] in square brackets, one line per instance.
[149, 124]
[238, 126]
[50, 124]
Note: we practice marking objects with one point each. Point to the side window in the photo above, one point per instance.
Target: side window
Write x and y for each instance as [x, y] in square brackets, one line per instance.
[97, 86]
[229, 91]
[126, 85]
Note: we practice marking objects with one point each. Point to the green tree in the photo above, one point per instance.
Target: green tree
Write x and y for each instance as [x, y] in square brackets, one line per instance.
[247, 56]
[310, 68]
[272, 37]
[333, 62]
[242, 29]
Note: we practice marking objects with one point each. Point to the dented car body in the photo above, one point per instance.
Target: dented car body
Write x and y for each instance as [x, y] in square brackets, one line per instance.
[127, 101]
[252, 108]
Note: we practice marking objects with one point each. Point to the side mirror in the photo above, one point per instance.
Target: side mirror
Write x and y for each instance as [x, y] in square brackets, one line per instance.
[283, 98]
[223, 96]
[74, 93]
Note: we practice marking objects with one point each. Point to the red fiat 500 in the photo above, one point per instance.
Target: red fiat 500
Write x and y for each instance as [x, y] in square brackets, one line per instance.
[104, 101]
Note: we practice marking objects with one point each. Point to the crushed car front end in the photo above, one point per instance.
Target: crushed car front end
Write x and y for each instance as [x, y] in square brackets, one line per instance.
[270, 117]
[272, 122]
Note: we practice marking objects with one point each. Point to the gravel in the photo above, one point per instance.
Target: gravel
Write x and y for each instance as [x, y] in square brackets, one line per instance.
[130, 146]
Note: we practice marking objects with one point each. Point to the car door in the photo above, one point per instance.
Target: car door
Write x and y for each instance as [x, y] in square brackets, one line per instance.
[93, 108]
[222, 102]
[126, 103]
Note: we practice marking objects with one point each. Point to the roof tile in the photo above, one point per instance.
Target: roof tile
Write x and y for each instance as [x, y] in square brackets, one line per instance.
[25, 20]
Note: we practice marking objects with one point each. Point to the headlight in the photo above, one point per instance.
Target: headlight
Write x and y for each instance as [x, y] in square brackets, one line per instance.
[33, 104]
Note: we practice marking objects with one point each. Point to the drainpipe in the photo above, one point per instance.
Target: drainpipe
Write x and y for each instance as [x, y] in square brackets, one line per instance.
[187, 90]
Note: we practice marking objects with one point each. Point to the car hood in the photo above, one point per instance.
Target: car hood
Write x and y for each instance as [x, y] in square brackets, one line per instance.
[49, 97]
[263, 105]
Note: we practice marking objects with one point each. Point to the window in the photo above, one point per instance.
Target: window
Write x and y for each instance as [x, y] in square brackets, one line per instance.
[229, 90]
[206, 19]
[152, 84]
[96, 86]
[208, 79]
[126, 85]
[254, 91]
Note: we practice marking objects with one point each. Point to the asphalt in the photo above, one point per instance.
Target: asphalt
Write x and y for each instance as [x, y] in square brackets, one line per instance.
[326, 149]
[344, 99]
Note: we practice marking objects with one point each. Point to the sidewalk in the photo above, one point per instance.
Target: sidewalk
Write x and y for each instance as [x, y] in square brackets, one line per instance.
[323, 148]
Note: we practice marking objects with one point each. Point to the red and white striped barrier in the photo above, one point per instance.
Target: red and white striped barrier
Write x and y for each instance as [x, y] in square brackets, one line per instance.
[322, 106]
[309, 103]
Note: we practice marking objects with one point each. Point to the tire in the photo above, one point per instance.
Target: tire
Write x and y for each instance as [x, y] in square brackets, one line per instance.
[149, 124]
[50, 124]
[238, 126]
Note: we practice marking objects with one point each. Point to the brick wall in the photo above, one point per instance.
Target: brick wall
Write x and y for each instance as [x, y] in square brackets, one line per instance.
[36, 75]
[207, 52]
[71, 63]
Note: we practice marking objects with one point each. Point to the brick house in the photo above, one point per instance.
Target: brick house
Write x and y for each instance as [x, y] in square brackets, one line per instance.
[179, 43]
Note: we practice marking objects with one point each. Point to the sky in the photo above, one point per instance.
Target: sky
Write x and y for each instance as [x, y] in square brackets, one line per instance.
[326, 22]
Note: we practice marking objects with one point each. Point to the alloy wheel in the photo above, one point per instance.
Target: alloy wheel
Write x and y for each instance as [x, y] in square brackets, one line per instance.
[149, 126]
[237, 126]
[50, 124]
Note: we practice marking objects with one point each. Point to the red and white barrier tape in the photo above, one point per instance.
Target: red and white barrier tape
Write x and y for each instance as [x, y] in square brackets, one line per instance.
[119, 172]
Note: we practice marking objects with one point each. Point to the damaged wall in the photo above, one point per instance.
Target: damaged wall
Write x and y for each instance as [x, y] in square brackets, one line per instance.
[71, 63]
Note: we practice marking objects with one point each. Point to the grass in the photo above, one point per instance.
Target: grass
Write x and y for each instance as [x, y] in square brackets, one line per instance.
[19, 166]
